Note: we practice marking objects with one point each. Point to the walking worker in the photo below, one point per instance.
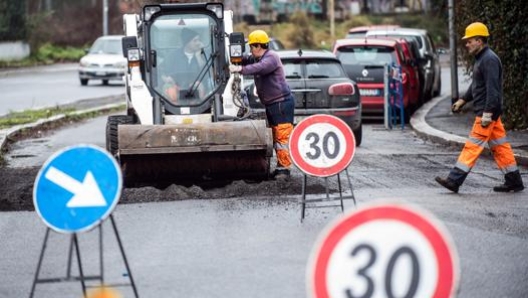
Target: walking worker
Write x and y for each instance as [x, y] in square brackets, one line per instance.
[485, 92]
[273, 91]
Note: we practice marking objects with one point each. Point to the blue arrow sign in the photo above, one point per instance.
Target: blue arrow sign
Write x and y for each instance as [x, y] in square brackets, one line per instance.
[77, 188]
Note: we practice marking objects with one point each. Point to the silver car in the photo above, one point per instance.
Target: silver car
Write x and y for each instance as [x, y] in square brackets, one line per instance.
[103, 61]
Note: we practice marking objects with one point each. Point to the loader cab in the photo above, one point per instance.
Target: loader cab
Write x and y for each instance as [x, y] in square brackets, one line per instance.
[184, 56]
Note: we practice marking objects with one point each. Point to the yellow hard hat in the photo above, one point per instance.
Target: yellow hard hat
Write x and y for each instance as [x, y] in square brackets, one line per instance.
[476, 29]
[258, 36]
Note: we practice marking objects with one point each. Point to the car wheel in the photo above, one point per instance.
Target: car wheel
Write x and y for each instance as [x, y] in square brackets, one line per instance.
[84, 82]
[105, 82]
[358, 134]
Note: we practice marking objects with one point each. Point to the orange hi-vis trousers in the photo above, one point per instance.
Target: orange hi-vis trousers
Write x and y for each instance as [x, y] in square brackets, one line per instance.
[281, 135]
[495, 136]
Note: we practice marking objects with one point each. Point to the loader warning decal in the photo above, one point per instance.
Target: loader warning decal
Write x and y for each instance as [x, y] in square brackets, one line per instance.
[322, 145]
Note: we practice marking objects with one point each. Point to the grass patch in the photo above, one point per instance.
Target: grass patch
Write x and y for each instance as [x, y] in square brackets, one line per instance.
[30, 116]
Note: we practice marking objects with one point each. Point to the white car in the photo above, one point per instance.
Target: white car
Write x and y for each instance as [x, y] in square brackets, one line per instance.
[104, 61]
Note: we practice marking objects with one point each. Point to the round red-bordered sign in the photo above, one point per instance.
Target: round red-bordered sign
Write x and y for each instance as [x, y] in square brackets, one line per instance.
[384, 248]
[322, 145]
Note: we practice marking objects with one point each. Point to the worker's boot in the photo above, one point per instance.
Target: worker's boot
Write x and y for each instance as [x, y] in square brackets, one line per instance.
[512, 182]
[281, 174]
[448, 183]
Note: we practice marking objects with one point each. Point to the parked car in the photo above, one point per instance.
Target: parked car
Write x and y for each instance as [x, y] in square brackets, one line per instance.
[319, 85]
[430, 61]
[360, 31]
[365, 61]
[411, 61]
[103, 61]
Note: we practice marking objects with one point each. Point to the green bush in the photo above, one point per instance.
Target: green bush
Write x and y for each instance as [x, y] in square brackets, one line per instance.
[49, 52]
[507, 22]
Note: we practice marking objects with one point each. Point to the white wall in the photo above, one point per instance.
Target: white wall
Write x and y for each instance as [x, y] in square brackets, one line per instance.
[15, 50]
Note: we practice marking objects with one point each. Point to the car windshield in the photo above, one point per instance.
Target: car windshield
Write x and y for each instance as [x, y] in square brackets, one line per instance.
[366, 55]
[323, 69]
[107, 46]
[315, 68]
[356, 34]
[184, 52]
[292, 69]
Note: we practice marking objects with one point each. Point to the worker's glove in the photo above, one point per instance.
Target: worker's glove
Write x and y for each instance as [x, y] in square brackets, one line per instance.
[457, 106]
[486, 119]
[235, 68]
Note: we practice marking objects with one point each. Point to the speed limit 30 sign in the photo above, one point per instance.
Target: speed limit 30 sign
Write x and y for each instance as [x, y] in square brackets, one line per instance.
[322, 145]
[384, 251]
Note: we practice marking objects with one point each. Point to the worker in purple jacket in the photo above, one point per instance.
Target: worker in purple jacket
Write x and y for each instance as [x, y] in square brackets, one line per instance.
[273, 91]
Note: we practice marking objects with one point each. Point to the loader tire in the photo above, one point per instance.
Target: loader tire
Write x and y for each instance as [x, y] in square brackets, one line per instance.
[111, 131]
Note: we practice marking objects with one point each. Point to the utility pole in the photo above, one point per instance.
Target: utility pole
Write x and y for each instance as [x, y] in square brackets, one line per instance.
[453, 52]
[105, 17]
[332, 18]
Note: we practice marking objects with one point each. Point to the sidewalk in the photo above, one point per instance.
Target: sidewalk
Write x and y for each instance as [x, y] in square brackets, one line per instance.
[435, 122]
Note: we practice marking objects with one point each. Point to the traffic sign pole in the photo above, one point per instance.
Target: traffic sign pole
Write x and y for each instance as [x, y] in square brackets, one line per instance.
[323, 146]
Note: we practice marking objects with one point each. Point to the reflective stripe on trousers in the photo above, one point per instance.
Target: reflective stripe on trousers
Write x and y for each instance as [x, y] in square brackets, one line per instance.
[495, 136]
[281, 136]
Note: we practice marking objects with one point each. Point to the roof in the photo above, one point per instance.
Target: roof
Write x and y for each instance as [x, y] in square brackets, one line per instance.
[398, 31]
[365, 41]
[371, 27]
[292, 54]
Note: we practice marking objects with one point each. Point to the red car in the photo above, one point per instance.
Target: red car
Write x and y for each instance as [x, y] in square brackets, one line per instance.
[364, 61]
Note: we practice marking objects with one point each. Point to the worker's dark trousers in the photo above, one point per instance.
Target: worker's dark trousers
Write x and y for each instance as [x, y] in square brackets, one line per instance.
[280, 118]
[495, 136]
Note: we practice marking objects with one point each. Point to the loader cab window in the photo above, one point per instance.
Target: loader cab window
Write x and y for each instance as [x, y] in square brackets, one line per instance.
[183, 44]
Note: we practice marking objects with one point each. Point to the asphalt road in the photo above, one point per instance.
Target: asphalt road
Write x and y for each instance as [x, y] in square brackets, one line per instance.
[42, 87]
[237, 244]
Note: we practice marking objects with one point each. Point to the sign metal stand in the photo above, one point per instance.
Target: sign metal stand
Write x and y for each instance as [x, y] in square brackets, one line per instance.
[74, 244]
[341, 197]
[75, 191]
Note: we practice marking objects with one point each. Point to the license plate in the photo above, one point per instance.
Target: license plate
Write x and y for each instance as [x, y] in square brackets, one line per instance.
[100, 73]
[369, 92]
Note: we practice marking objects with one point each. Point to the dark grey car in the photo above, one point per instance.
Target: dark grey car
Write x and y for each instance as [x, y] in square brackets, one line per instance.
[319, 85]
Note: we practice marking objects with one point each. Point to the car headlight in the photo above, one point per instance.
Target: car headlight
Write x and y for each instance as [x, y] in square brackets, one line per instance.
[83, 63]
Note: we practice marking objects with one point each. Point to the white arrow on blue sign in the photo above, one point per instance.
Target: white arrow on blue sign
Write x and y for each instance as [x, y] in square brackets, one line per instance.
[77, 188]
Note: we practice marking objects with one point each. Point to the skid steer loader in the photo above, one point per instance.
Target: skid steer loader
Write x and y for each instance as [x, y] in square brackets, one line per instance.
[192, 132]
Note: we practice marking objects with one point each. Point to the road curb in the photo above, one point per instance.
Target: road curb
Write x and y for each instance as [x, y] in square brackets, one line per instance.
[6, 134]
